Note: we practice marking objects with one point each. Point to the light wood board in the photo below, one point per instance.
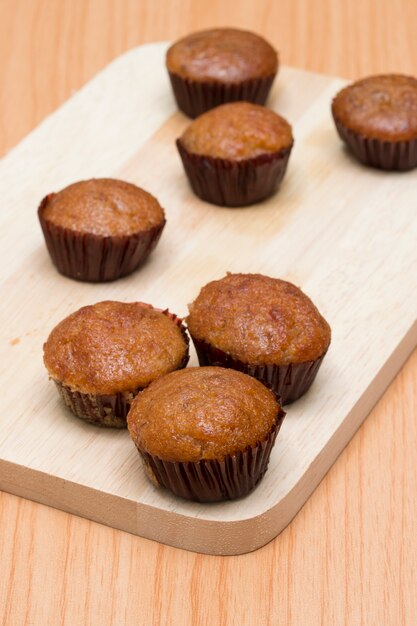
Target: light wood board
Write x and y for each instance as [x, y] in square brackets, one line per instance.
[346, 234]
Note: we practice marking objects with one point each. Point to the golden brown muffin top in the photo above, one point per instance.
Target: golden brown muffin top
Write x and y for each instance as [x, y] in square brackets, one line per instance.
[104, 207]
[111, 347]
[237, 130]
[379, 107]
[259, 320]
[202, 413]
[224, 55]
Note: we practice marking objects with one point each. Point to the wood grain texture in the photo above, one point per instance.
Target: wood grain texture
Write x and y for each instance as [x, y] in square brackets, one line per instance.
[349, 557]
[49, 48]
[329, 229]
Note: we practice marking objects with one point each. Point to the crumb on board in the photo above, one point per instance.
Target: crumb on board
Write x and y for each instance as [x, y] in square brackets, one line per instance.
[15, 341]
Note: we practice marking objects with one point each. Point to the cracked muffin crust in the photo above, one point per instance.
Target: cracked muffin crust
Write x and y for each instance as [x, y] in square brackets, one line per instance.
[104, 206]
[259, 320]
[236, 154]
[222, 55]
[377, 118]
[100, 229]
[211, 67]
[205, 433]
[263, 326]
[202, 413]
[112, 349]
[237, 131]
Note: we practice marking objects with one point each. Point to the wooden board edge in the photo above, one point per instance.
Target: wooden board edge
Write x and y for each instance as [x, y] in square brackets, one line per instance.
[348, 428]
[195, 534]
[239, 536]
[162, 526]
[10, 154]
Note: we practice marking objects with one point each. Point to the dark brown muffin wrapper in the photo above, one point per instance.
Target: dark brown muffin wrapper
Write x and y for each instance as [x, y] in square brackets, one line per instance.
[111, 410]
[211, 480]
[194, 97]
[234, 183]
[95, 258]
[289, 382]
[385, 155]
[104, 410]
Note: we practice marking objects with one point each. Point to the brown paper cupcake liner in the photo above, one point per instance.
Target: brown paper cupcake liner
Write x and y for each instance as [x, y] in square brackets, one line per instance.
[94, 258]
[234, 183]
[104, 410]
[194, 98]
[385, 155]
[111, 410]
[289, 382]
[211, 480]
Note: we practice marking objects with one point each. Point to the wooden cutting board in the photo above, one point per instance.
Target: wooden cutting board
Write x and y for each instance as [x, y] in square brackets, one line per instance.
[344, 233]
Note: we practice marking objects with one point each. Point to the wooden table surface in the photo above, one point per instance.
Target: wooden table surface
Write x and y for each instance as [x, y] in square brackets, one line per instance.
[350, 555]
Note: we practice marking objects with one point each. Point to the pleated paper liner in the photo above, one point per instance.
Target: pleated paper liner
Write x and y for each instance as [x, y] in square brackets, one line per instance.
[103, 410]
[289, 382]
[111, 410]
[385, 155]
[214, 480]
[96, 258]
[234, 183]
[194, 97]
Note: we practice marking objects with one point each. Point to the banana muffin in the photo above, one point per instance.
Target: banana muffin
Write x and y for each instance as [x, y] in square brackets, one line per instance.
[212, 67]
[205, 433]
[100, 229]
[377, 118]
[236, 154]
[102, 355]
[263, 326]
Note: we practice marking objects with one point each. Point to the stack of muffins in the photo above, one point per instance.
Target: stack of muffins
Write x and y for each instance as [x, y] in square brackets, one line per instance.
[206, 433]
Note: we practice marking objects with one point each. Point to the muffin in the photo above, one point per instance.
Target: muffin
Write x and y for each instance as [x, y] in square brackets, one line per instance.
[377, 118]
[205, 433]
[102, 355]
[236, 154]
[263, 326]
[212, 67]
[100, 229]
